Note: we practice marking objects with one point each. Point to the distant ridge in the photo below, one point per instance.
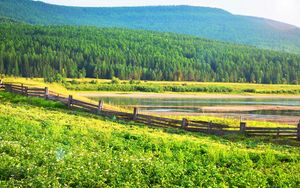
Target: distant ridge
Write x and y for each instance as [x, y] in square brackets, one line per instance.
[211, 23]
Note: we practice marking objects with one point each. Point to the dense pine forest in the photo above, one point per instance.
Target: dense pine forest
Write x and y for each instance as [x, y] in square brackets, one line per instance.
[210, 23]
[73, 51]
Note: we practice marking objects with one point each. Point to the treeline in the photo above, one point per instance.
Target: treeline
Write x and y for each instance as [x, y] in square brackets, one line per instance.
[132, 86]
[45, 51]
[143, 87]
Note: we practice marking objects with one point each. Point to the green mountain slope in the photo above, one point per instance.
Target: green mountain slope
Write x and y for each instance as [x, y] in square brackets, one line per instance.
[199, 21]
[43, 51]
[42, 145]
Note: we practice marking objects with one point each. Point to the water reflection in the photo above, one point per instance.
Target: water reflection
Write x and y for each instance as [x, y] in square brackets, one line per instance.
[194, 105]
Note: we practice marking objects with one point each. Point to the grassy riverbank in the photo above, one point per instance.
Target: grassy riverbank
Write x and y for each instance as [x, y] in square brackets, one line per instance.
[179, 87]
[72, 86]
[42, 144]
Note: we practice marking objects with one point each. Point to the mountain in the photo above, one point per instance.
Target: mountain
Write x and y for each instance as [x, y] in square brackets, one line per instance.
[203, 22]
[85, 51]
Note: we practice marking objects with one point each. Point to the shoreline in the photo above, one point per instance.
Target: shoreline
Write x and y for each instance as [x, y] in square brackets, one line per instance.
[182, 95]
[228, 108]
[282, 119]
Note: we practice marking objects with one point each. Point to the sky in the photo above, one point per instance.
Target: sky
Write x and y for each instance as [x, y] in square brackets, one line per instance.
[287, 11]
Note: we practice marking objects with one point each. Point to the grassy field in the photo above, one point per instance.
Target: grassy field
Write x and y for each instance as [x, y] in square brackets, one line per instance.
[60, 88]
[180, 87]
[42, 144]
[231, 122]
[55, 87]
[89, 84]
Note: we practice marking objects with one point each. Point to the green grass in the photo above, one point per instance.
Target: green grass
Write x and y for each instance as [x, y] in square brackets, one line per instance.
[231, 122]
[42, 144]
[19, 99]
[89, 84]
[180, 87]
[55, 87]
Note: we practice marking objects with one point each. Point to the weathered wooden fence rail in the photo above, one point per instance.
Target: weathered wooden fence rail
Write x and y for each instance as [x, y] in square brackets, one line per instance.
[192, 126]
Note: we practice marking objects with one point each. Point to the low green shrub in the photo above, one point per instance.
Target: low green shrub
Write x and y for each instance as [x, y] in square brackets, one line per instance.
[250, 90]
[137, 86]
[115, 80]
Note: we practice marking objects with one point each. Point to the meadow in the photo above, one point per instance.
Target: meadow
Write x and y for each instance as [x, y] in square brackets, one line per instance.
[55, 87]
[72, 86]
[231, 122]
[179, 87]
[42, 144]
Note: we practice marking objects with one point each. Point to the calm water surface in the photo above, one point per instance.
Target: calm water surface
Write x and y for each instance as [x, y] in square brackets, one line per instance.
[193, 104]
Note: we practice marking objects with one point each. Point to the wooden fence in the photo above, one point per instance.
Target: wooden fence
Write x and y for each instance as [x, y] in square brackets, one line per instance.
[185, 124]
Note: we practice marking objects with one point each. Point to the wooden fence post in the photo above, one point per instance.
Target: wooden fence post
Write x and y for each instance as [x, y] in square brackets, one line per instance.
[100, 106]
[6, 87]
[298, 132]
[278, 132]
[10, 88]
[26, 91]
[22, 89]
[209, 127]
[70, 101]
[242, 127]
[184, 123]
[46, 93]
[135, 113]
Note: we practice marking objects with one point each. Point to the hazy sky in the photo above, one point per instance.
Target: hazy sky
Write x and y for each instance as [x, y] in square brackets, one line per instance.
[282, 10]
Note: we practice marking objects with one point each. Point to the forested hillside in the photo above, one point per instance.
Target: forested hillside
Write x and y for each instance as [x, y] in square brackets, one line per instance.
[44, 51]
[199, 21]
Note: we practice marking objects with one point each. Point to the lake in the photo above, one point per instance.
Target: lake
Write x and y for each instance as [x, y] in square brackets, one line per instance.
[276, 109]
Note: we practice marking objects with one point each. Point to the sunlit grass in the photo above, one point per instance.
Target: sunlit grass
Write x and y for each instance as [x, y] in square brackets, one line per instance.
[90, 84]
[45, 145]
[231, 122]
[55, 87]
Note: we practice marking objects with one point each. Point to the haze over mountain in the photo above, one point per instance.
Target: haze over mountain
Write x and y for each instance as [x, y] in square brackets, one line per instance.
[198, 21]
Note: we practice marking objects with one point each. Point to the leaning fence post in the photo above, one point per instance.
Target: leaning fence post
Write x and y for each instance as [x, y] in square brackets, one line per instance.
[135, 113]
[242, 127]
[70, 101]
[298, 132]
[46, 93]
[100, 106]
[184, 123]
